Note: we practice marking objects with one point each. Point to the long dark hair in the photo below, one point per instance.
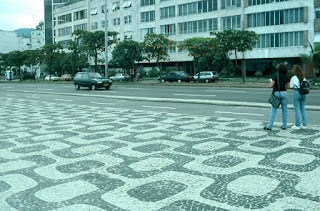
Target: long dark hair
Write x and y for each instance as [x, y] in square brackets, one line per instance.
[282, 68]
[297, 71]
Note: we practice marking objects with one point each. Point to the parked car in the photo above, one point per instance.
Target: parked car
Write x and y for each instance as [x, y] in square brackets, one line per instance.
[207, 76]
[178, 76]
[92, 80]
[66, 77]
[120, 77]
[52, 78]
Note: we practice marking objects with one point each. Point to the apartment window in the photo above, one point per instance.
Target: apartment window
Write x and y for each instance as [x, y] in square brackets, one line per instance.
[168, 12]
[94, 11]
[80, 15]
[198, 26]
[146, 31]
[80, 27]
[103, 24]
[276, 17]
[258, 2]
[127, 4]
[116, 6]
[198, 7]
[116, 21]
[172, 49]
[64, 31]
[285, 39]
[147, 2]
[317, 14]
[148, 16]
[94, 25]
[128, 35]
[64, 19]
[168, 30]
[231, 22]
[102, 9]
[127, 19]
[116, 37]
[229, 4]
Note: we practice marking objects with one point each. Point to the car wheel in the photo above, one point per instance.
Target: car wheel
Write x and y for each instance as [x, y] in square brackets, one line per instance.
[162, 80]
[107, 87]
[76, 86]
[207, 80]
[93, 87]
[120, 79]
[179, 80]
[213, 80]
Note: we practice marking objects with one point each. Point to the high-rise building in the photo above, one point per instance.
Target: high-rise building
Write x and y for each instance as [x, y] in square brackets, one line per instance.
[49, 7]
[285, 27]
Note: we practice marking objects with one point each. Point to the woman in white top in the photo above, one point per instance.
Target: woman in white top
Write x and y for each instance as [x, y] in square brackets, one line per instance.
[299, 100]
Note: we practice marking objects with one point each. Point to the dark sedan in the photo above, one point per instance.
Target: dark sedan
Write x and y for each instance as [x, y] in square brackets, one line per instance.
[91, 80]
[178, 76]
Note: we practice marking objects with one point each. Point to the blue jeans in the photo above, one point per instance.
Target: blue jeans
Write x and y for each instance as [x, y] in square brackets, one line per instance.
[299, 102]
[284, 106]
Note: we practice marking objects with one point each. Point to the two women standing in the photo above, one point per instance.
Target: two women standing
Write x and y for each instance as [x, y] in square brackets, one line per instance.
[299, 100]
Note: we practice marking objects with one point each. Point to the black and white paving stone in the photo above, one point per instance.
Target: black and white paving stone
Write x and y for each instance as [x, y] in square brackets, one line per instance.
[56, 156]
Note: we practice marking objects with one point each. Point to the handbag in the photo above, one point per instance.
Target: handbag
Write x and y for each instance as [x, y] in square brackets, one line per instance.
[274, 100]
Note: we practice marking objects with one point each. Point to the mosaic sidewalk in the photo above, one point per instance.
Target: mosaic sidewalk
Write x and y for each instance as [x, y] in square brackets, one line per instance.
[63, 157]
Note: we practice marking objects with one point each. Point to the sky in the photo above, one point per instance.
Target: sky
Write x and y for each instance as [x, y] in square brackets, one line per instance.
[15, 14]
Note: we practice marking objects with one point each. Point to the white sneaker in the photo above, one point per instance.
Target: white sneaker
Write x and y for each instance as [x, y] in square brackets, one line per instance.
[304, 127]
[295, 127]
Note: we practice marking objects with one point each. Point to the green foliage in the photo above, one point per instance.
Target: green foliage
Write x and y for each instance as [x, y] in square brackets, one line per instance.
[17, 59]
[153, 72]
[258, 74]
[51, 56]
[126, 53]
[206, 52]
[156, 47]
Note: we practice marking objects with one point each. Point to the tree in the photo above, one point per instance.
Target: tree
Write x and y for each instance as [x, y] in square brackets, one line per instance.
[313, 58]
[156, 47]
[206, 52]
[33, 58]
[17, 59]
[93, 43]
[126, 54]
[232, 40]
[51, 55]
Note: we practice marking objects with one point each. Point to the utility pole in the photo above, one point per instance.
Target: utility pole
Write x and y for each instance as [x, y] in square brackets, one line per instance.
[106, 37]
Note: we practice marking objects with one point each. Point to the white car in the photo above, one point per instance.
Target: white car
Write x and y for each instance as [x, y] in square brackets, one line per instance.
[120, 77]
[207, 76]
[52, 78]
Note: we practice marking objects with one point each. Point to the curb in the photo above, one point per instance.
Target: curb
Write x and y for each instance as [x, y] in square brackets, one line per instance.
[171, 100]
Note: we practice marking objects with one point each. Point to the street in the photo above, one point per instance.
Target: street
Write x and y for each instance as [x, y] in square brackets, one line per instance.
[63, 151]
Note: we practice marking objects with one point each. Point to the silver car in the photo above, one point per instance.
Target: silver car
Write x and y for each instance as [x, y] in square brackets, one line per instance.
[207, 76]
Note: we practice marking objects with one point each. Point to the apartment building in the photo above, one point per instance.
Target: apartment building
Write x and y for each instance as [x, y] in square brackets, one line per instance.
[284, 26]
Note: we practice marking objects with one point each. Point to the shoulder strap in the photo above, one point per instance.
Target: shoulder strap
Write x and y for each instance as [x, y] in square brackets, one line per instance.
[278, 83]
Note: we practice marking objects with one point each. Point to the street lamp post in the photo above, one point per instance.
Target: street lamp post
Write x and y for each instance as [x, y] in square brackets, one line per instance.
[106, 36]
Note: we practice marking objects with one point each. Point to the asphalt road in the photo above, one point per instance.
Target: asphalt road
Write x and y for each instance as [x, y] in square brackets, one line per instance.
[256, 95]
[45, 92]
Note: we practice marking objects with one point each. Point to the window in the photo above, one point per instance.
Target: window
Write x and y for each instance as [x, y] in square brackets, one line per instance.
[146, 31]
[198, 7]
[285, 39]
[198, 26]
[231, 22]
[81, 27]
[229, 4]
[64, 19]
[102, 9]
[65, 31]
[94, 25]
[147, 2]
[128, 35]
[168, 29]
[258, 2]
[94, 11]
[168, 12]
[80, 15]
[116, 6]
[317, 14]
[127, 19]
[116, 21]
[148, 16]
[127, 3]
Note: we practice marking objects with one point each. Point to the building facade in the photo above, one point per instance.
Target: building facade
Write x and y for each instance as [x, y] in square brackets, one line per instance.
[285, 27]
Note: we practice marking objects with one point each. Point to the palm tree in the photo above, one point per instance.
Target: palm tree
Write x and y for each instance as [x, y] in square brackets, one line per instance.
[313, 58]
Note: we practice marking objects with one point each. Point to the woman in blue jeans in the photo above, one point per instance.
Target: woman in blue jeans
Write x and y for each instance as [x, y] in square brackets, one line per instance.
[284, 84]
[299, 100]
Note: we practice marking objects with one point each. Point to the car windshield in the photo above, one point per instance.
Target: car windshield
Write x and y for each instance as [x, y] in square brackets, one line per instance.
[95, 75]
